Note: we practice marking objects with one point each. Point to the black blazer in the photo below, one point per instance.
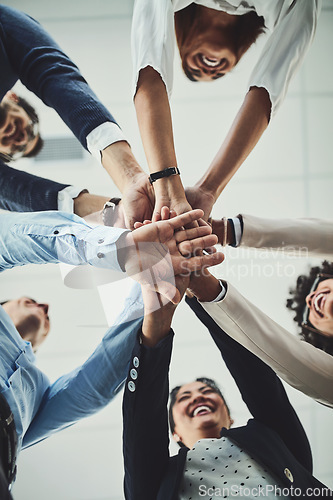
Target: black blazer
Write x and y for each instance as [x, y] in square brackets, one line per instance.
[274, 436]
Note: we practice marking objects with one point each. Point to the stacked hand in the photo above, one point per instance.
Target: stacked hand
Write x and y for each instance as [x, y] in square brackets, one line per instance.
[157, 252]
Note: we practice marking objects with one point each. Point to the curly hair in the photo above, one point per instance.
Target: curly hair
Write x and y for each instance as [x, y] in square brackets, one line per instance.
[173, 394]
[297, 303]
[242, 34]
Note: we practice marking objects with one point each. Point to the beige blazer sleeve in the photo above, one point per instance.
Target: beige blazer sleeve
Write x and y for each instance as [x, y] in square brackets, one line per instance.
[305, 236]
[300, 364]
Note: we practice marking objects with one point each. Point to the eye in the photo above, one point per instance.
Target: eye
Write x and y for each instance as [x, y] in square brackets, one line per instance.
[207, 391]
[182, 398]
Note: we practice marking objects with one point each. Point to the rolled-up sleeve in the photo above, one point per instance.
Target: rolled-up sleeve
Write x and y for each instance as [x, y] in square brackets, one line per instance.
[153, 39]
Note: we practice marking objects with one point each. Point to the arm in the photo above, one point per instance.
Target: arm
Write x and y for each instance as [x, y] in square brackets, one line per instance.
[90, 387]
[146, 435]
[153, 52]
[303, 366]
[24, 192]
[295, 236]
[45, 70]
[306, 236]
[254, 378]
[246, 130]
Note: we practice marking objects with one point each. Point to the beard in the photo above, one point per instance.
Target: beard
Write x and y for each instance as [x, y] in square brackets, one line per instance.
[28, 327]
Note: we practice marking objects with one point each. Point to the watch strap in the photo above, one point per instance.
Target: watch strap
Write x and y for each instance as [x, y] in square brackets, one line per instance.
[163, 173]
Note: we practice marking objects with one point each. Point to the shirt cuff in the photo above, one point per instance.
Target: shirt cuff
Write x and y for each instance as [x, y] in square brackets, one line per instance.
[237, 230]
[66, 198]
[103, 136]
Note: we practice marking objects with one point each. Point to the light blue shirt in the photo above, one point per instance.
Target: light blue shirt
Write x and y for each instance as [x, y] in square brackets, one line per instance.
[41, 408]
[43, 237]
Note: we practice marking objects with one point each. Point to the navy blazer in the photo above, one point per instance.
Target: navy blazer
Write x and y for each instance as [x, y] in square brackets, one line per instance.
[23, 192]
[274, 436]
[29, 54]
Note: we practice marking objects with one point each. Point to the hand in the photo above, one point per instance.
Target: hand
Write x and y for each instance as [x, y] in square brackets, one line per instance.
[199, 198]
[138, 200]
[156, 252]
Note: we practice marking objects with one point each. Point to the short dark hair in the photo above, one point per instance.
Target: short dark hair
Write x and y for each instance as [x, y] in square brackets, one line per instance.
[173, 394]
[243, 33]
[31, 112]
[297, 303]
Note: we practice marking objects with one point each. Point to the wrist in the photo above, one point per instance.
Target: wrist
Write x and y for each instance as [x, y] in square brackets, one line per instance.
[121, 164]
[155, 328]
[205, 287]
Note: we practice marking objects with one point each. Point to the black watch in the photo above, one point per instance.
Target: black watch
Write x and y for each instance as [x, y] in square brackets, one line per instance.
[163, 173]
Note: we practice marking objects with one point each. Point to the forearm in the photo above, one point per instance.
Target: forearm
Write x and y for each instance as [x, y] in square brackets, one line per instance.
[304, 367]
[246, 130]
[120, 163]
[51, 237]
[155, 124]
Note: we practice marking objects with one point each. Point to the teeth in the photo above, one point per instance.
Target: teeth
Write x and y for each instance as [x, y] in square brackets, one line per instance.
[316, 302]
[210, 62]
[199, 409]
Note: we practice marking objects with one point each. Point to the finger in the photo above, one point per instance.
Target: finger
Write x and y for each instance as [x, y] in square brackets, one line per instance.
[201, 261]
[146, 222]
[196, 245]
[137, 225]
[156, 217]
[187, 218]
[165, 213]
[189, 234]
[173, 213]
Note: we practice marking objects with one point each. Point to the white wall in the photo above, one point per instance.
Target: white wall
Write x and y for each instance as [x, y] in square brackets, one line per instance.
[289, 174]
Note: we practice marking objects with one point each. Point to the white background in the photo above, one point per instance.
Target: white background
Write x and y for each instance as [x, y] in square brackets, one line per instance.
[288, 175]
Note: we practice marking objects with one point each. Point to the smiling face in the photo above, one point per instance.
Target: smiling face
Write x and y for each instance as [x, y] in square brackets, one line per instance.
[208, 56]
[320, 304]
[18, 134]
[198, 412]
[30, 319]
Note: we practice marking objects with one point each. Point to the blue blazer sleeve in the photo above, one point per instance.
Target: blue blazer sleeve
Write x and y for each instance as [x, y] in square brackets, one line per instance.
[146, 435]
[261, 389]
[28, 53]
[23, 192]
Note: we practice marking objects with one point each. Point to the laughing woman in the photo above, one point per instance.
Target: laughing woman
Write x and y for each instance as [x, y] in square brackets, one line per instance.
[212, 36]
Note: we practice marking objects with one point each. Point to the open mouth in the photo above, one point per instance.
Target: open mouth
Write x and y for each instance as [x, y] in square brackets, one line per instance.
[201, 410]
[210, 62]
